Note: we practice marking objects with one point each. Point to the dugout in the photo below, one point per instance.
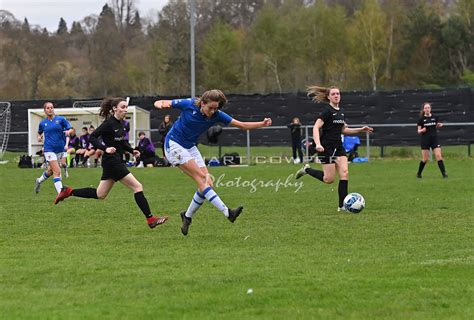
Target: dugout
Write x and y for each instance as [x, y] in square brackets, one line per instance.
[84, 117]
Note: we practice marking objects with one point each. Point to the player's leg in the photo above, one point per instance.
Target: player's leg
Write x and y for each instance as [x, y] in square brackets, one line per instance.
[44, 176]
[439, 158]
[343, 172]
[54, 165]
[425, 155]
[133, 184]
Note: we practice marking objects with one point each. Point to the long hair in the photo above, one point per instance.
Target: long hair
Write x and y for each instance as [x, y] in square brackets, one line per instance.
[215, 95]
[422, 112]
[107, 105]
[319, 94]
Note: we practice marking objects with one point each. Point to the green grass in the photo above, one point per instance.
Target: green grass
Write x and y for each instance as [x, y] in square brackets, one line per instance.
[408, 255]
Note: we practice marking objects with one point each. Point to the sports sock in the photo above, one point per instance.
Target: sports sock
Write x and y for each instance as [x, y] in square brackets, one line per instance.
[318, 174]
[85, 193]
[196, 203]
[58, 184]
[142, 203]
[213, 198]
[342, 190]
[421, 167]
[43, 177]
[68, 160]
[441, 167]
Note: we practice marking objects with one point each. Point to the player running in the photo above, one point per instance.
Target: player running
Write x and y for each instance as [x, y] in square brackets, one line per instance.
[54, 131]
[331, 153]
[112, 132]
[198, 115]
[427, 126]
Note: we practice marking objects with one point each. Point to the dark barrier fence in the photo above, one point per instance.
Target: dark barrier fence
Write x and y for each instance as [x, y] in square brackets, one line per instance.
[393, 107]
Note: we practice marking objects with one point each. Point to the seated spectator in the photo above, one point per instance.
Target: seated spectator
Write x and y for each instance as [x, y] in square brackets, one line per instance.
[73, 145]
[147, 151]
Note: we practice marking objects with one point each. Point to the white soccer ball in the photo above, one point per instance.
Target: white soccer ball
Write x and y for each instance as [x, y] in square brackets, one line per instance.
[354, 202]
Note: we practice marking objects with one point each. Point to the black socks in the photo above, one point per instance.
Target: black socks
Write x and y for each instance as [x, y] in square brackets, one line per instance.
[318, 174]
[441, 167]
[142, 203]
[85, 193]
[342, 190]
[421, 167]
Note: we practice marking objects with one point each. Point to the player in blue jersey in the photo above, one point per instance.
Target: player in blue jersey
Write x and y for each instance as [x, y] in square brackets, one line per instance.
[331, 153]
[53, 131]
[426, 127]
[198, 115]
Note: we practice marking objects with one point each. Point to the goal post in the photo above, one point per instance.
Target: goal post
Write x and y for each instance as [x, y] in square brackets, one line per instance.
[79, 117]
[5, 124]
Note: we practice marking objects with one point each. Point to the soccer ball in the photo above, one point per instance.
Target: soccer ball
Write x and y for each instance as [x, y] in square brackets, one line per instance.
[354, 202]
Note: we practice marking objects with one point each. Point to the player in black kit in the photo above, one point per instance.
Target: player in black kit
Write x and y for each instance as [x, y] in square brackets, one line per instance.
[113, 133]
[331, 153]
[427, 126]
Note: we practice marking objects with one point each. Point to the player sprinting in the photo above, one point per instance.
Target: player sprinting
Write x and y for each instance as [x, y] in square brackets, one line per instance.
[329, 144]
[114, 145]
[198, 115]
[53, 131]
[427, 126]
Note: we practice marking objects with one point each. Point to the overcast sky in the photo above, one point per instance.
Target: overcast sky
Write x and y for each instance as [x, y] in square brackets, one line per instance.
[47, 13]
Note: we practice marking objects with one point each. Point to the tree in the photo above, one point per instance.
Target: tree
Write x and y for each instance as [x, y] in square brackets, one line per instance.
[220, 58]
[62, 27]
[369, 32]
[106, 52]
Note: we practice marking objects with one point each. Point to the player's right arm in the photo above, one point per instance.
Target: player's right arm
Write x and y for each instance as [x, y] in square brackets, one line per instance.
[317, 141]
[40, 133]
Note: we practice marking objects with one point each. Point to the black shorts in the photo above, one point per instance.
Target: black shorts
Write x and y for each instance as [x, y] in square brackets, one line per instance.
[429, 142]
[113, 169]
[331, 151]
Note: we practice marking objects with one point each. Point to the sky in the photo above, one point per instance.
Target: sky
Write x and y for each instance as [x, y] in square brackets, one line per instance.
[46, 13]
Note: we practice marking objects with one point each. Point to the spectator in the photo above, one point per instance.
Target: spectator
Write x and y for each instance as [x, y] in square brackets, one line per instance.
[147, 151]
[295, 129]
[163, 129]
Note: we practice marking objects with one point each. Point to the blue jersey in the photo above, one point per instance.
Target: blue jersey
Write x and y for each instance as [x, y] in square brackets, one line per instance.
[54, 137]
[192, 123]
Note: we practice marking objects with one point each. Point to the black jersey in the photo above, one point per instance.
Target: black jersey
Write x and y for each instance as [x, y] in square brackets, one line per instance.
[295, 130]
[333, 124]
[430, 124]
[113, 134]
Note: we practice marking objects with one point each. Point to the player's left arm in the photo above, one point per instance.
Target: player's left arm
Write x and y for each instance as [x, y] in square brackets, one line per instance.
[251, 125]
[346, 130]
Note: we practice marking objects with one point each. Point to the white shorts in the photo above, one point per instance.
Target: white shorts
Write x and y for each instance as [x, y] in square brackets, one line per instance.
[176, 154]
[53, 156]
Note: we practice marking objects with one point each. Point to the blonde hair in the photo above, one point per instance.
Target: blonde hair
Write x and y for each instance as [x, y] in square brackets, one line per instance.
[320, 94]
[215, 95]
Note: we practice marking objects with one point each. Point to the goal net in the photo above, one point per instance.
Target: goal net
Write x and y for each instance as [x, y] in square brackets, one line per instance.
[5, 121]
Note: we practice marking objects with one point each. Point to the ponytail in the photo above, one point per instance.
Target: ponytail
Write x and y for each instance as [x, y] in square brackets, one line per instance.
[107, 105]
[320, 94]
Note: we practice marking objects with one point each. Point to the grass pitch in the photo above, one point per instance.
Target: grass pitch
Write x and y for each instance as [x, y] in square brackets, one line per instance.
[409, 254]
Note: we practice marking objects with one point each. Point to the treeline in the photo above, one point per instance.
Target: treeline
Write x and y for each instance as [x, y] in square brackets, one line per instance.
[242, 46]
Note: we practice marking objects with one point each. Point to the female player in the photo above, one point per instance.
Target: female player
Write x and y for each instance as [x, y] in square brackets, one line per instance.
[53, 131]
[329, 144]
[198, 115]
[427, 126]
[112, 132]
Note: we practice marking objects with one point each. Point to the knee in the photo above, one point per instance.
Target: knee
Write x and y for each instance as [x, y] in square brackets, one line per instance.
[138, 188]
[101, 196]
[328, 180]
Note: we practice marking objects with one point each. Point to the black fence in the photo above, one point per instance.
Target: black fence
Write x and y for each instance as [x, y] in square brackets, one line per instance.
[395, 107]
